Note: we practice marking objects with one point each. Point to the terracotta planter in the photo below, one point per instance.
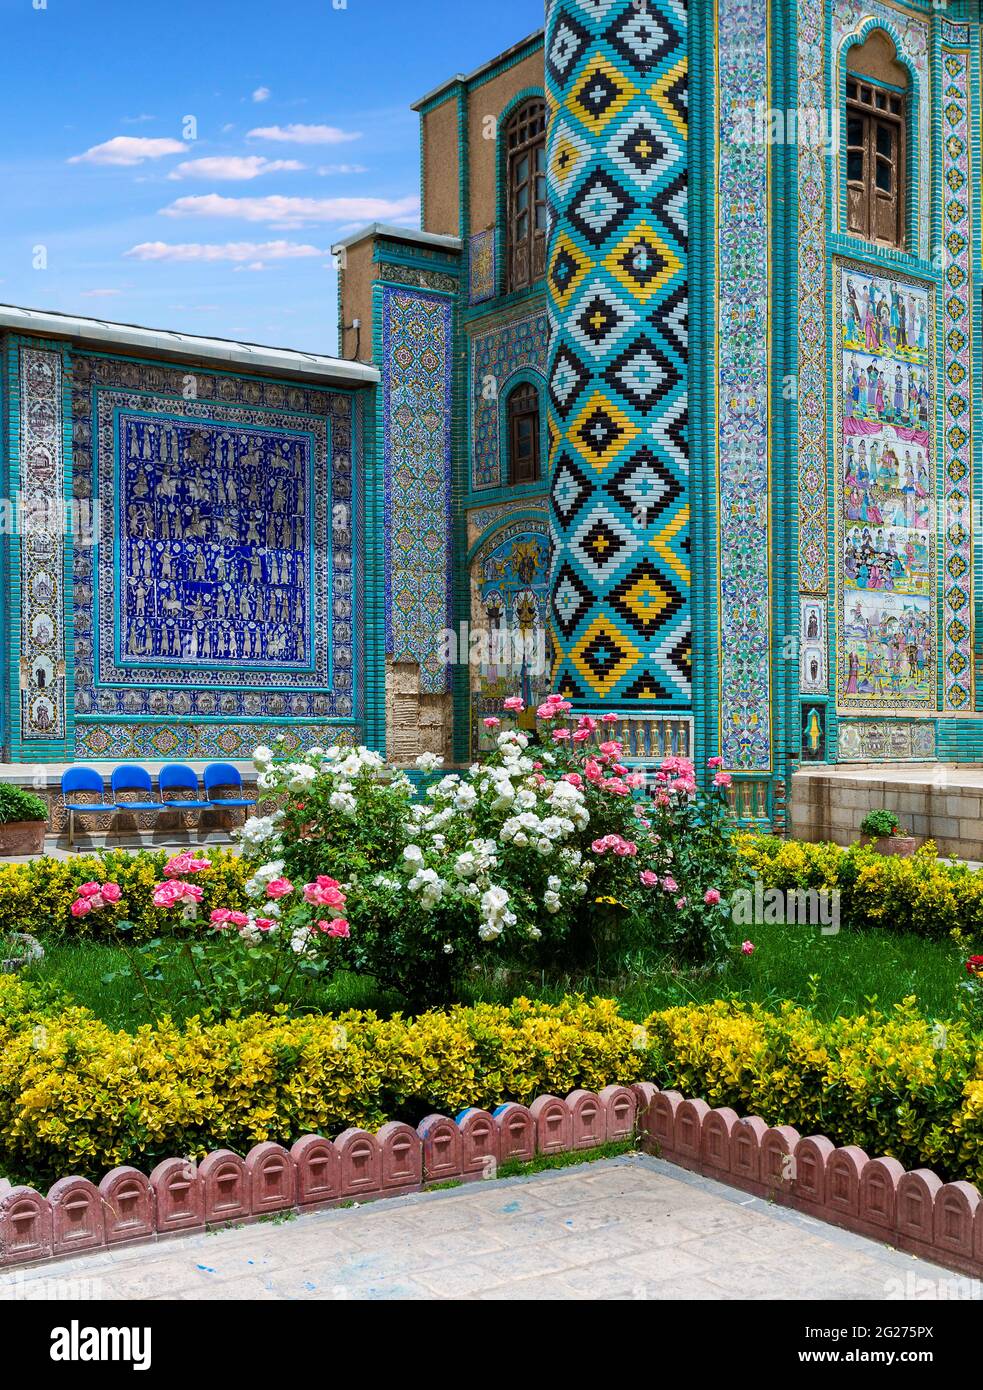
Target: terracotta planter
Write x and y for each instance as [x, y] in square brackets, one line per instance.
[22, 837]
[903, 845]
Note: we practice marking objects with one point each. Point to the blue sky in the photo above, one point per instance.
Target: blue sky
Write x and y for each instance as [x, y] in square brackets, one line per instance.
[303, 133]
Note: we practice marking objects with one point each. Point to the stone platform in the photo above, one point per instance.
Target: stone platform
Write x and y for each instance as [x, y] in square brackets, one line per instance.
[934, 801]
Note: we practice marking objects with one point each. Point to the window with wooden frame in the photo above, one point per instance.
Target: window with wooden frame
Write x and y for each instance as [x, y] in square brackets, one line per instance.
[876, 161]
[525, 154]
[522, 413]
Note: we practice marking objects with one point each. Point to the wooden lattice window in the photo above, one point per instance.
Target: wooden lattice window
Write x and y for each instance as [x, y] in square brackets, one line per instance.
[522, 409]
[876, 161]
[525, 147]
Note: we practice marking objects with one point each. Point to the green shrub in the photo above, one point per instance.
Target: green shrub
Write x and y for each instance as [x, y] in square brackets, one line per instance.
[917, 893]
[77, 1096]
[17, 804]
[36, 897]
[880, 824]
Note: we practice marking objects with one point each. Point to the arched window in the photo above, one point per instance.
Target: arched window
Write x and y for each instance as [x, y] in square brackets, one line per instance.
[525, 153]
[876, 141]
[522, 411]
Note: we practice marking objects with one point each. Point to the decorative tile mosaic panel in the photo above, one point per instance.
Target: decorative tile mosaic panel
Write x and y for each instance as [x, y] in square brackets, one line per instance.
[152, 741]
[190, 490]
[813, 730]
[957, 333]
[509, 619]
[42, 480]
[214, 547]
[811, 397]
[417, 345]
[742, 368]
[481, 266]
[911, 33]
[813, 677]
[496, 355]
[617, 281]
[885, 463]
[866, 740]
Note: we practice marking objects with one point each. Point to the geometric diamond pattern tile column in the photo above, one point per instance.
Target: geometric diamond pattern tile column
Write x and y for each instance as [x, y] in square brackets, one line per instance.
[616, 78]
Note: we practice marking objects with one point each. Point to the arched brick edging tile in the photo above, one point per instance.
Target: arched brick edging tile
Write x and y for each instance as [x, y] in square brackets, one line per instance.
[916, 1211]
[479, 1143]
[516, 1132]
[715, 1152]
[77, 1221]
[402, 1158]
[588, 1123]
[25, 1226]
[179, 1197]
[225, 1184]
[554, 1125]
[318, 1166]
[443, 1149]
[128, 1206]
[620, 1111]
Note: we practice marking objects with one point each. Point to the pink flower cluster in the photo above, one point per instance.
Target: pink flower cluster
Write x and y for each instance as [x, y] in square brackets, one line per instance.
[185, 863]
[93, 896]
[615, 844]
[553, 706]
[224, 917]
[336, 927]
[176, 893]
[324, 892]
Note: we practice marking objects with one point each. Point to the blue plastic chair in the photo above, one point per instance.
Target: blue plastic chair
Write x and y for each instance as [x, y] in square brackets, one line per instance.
[84, 779]
[180, 777]
[128, 777]
[224, 775]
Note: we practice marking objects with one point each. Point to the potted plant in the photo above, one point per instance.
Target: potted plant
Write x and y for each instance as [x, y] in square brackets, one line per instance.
[17, 949]
[882, 831]
[23, 821]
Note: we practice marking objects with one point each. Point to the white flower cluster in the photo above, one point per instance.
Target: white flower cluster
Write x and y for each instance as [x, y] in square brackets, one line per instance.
[256, 886]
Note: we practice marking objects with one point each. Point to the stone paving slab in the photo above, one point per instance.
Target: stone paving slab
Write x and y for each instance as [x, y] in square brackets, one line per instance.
[625, 1228]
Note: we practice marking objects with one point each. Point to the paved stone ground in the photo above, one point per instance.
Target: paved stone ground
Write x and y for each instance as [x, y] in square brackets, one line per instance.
[626, 1228]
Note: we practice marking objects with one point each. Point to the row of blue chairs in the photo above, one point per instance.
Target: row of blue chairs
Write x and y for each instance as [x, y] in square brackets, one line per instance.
[131, 778]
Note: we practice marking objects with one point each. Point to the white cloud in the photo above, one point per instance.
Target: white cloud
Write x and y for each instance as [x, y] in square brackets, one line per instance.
[253, 265]
[98, 294]
[127, 150]
[279, 211]
[238, 167]
[261, 94]
[342, 169]
[304, 134]
[221, 251]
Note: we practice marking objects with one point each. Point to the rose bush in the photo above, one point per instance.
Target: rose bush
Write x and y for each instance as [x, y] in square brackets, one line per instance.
[543, 850]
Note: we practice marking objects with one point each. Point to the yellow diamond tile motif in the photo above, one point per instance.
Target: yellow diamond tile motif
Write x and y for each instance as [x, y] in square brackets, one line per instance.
[600, 94]
[568, 268]
[660, 544]
[642, 262]
[600, 431]
[669, 95]
[604, 655]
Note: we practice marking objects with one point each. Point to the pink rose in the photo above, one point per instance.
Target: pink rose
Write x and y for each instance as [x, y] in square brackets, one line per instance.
[586, 723]
[80, 907]
[711, 897]
[112, 892]
[680, 903]
[514, 704]
[609, 719]
[581, 735]
[279, 888]
[546, 712]
[219, 916]
[337, 927]
[722, 779]
[715, 762]
[491, 722]
[670, 885]
[561, 735]
[747, 948]
[237, 919]
[574, 778]
[89, 890]
[265, 923]
[649, 878]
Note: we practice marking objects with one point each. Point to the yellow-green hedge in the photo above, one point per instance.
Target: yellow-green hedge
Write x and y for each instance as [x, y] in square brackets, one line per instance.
[77, 1096]
[920, 893]
[35, 897]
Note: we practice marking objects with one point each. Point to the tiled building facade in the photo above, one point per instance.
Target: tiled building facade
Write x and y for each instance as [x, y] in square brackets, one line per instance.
[670, 405]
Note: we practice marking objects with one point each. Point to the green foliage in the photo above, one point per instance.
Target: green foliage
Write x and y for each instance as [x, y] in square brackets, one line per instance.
[880, 823]
[917, 893]
[17, 805]
[36, 897]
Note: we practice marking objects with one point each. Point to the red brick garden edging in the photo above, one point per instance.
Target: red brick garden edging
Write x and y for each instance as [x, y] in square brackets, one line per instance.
[915, 1211]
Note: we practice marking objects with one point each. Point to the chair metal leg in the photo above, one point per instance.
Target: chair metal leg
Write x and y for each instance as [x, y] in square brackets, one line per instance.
[71, 828]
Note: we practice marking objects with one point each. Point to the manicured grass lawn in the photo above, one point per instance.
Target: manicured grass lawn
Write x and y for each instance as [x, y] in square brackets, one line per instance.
[844, 974]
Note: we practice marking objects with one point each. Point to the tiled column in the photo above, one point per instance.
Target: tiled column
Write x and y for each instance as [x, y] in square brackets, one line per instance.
[616, 78]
